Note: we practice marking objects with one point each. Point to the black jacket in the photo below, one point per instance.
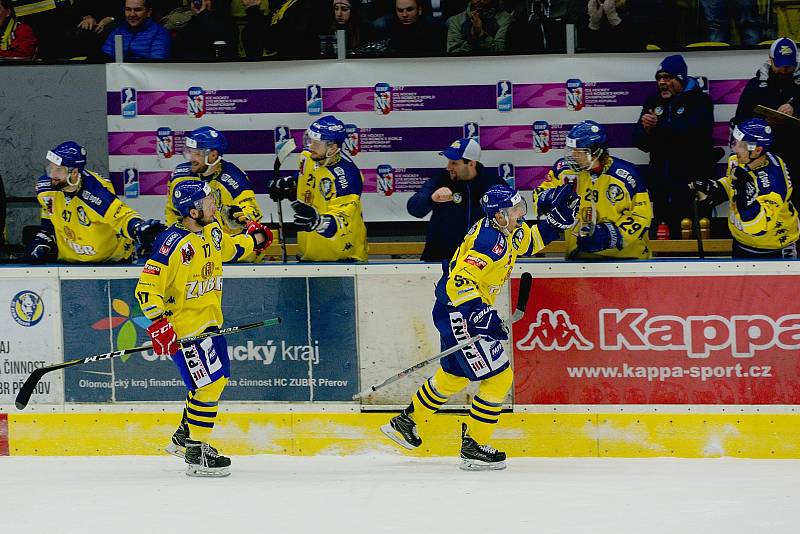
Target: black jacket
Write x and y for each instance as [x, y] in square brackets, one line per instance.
[450, 221]
[770, 91]
[680, 145]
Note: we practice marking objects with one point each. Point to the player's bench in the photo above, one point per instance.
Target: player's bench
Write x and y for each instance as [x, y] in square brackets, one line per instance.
[688, 247]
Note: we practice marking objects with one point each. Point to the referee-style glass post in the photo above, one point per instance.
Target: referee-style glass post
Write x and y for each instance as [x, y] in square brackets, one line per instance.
[341, 44]
[119, 57]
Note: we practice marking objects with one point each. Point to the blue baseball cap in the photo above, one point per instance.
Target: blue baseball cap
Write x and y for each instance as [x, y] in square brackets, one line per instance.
[464, 148]
[783, 52]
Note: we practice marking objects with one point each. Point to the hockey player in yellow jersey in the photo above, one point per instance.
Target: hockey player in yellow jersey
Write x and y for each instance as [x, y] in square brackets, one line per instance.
[82, 220]
[762, 219]
[615, 211]
[464, 308]
[236, 201]
[326, 197]
[180, 290]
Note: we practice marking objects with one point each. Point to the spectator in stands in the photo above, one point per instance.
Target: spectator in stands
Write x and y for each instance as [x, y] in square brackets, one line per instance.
[619, 24]
[453, 199]
[287, 31]
[718, 13]
[207, 26]
[776, 85]
[142, 37]
[346, 15]
[47, 20]
[95, 20]
[538, 24]
[17, 40]
[482, 27]
[675, 127]
[410, 33]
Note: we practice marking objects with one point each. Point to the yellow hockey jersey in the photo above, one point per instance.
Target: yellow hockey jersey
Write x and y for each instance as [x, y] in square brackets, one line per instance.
[232, 189]
[333, 189]
[183, 277]
[774, 223]
[618, 195]
[92, 225]
[483, 263]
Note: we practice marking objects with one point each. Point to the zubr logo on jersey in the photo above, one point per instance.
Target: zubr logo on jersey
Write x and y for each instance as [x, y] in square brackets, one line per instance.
[27, 308]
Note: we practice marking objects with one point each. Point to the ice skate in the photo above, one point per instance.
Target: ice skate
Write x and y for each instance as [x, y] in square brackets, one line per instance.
[203, 460]
[403, 431]
[177, 446]
[476, 457]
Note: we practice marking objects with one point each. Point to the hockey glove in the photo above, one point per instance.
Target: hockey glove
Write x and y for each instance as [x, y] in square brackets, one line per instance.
[711, 189]
[483, 321]
[40, 249]
[254, 228]
[283, 188]
[145, 232]
[165, 342]
[610, 9]
[308, 219]
[565, 208]
[595, 10]
[235, 216]
[606, 236]
[544, 200]
[745, 193]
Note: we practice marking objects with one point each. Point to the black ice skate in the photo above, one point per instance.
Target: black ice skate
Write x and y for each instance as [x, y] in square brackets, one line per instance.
[476, 457]
[203, 460]
[178, 445]
[403, 431]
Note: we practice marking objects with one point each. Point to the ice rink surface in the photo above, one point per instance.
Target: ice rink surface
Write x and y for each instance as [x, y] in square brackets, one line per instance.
[393, 493]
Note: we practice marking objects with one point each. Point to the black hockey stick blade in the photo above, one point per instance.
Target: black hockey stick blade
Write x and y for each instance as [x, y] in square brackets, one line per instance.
[25, 392]
[280, 157]
[525, 283]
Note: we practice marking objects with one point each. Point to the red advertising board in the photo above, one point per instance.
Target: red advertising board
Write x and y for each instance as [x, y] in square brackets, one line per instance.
[659, 340]
[3, 434]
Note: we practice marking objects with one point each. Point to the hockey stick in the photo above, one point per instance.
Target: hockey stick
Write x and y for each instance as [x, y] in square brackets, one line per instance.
[27, 388]
[280, 157]
[522, 302]
[696, 226]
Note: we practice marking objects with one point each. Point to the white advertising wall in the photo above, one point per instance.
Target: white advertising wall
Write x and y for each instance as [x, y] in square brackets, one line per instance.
[401, 114]
[31, 334]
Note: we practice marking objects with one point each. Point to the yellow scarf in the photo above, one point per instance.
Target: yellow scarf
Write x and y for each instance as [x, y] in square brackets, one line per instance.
[278, 15]
[8, 34]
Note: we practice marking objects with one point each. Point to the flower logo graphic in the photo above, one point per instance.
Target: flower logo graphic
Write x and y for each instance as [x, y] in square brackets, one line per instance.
[127, 320]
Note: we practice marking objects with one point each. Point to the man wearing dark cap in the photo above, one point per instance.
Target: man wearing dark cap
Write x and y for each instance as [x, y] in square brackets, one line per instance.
[453, 199]
[776, 85]
[675, 127]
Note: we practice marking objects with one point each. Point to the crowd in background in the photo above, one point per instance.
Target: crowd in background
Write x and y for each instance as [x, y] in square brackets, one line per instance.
[207, 29]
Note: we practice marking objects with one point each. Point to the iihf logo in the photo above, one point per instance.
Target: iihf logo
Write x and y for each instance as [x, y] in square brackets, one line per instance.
[472, 130]
[505, 96]
[383, 99]
[505, 171]
[196, 102]
[575, 95]
[165, 143]
[541, 137]
[352, 143]
[553, 330]
[127, 98]
[313, 99]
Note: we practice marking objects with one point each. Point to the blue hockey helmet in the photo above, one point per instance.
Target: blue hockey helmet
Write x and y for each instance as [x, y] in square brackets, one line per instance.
[501, 198]
[754, 132]
[189, 194]
[586, 136]
[328, 129]
[207, 138]
[68, 154]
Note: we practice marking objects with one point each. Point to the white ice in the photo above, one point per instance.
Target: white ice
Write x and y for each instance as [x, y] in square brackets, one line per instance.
[393, 493]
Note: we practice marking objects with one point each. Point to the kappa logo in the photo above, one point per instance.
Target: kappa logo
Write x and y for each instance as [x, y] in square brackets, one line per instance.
[554, 330]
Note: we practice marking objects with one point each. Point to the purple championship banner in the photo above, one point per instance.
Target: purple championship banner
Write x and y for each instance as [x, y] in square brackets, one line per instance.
[399, 114]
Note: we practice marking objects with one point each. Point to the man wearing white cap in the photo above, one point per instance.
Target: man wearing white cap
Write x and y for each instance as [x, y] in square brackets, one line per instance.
[776, 85]
[453, 199]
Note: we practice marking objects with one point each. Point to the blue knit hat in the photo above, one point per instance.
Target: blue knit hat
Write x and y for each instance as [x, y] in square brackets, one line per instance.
[674, 65]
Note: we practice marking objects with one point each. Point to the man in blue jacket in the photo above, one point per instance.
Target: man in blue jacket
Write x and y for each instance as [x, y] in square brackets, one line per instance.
[142, 37]
[675, 127]
[453, 199]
